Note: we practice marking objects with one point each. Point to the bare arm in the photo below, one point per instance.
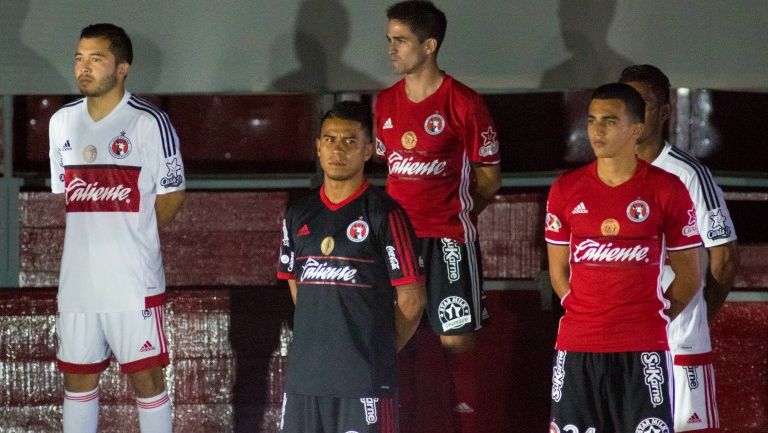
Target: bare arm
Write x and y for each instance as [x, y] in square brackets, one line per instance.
[487, 182]
[687, 281]
[294, 290]
[559, 269]
[723, 264]
[167, 206]
[411, 299]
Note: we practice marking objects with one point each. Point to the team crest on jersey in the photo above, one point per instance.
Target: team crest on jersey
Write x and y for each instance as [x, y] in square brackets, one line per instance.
[638, 211]
[434, 124]
[90, 153]
[453, 312]
[381, 149]
[357, 231]
[610, 227]
[326, 246]
[369, 409]
[552, 223]
[408, 140]
[173, 178]
[652, 425]
[718, 222]
[120, 146]
[490, 143]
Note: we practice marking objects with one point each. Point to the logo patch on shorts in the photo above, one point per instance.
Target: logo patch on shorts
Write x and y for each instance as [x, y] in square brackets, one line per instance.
[652, 425]
[691, 377]
[369, 409]
[146, 313]
[558, 376]
[452, 259]
[454, 313]
[654, 377]
[147, 347]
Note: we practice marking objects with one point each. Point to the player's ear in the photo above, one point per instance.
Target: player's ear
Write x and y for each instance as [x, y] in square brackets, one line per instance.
[123, 69]
[666, 112]
[637, 130]
[430, 46]
[317, 145]
[368, 150]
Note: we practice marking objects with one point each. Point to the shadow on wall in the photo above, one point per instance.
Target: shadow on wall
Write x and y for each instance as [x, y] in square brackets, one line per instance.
[147, 65]
[21, 68]
[584, 28]
[319, 40]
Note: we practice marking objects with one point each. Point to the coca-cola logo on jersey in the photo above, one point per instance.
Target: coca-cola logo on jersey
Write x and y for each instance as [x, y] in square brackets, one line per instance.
[399, 165]
[108, 188]
[321, 271]
[614, 252]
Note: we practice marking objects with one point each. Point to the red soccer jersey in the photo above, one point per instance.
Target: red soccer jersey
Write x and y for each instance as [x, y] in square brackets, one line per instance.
[429, 146]
[617, 238]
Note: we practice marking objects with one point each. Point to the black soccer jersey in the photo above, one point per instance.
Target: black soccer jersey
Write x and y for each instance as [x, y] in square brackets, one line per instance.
[346, 258]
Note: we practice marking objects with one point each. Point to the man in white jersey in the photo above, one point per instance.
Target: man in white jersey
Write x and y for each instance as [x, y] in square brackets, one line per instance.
[689, 342]
[116, 159]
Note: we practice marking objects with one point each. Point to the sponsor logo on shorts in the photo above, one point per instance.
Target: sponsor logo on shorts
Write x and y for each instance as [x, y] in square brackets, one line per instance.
[146, 313]
[452, 259]
[120, 146]
[652, 425]
[453, 313]
[654, 377]
[147, 347]
[695, 419]
[434, 124]
[558, 376]
[358, 230]
[369, 410]
[691, 377]
[720, 228]
[393, 263]
[173, 178]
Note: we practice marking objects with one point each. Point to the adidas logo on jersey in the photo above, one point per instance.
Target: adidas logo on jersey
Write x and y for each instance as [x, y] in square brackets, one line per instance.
[388, 124]
[694, 419]
[303, 231]
[147, 347]
[579, 209]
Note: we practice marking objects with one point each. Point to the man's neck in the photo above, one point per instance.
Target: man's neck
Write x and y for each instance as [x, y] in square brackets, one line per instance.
[615, 171]
[339, 190]
[650, 149]
[421, 84]
[100, 106]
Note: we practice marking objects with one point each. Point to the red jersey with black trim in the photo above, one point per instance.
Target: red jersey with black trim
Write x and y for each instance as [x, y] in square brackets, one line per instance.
[345, 259]
[429, 147]
[617, 238]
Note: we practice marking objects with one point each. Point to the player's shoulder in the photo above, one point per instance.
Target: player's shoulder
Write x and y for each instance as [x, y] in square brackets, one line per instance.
[571, 179]
[684, 165]
[391, 91]
[68, 109]
[459, 89]
[144, 109]
[303, 202]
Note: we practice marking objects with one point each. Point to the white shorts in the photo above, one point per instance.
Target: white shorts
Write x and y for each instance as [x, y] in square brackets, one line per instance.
[86, 341]
[695, 404]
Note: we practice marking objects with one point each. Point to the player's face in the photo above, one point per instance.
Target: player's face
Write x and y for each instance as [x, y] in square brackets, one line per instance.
[343, 148]
[656, 113]
[96, 69]
[406, 54]
[611, 131]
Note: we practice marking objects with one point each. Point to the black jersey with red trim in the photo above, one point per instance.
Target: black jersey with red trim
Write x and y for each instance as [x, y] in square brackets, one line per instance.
[345, 258]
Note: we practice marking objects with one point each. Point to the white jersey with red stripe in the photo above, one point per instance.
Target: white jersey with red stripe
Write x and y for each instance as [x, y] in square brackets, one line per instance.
[689, 332]
[429, 147]
[110, 172]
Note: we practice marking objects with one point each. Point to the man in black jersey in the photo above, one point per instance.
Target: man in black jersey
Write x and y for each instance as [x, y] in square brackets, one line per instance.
[344, 248]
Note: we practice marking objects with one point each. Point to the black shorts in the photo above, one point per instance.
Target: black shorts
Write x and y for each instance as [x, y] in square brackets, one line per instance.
[612, 392]
[313, 414]
[454, 279]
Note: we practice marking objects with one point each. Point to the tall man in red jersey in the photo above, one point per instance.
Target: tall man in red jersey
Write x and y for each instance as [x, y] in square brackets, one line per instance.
[443, 154]
[608, 225]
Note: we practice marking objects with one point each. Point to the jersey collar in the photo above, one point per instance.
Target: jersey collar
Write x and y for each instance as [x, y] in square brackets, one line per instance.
[336, 206]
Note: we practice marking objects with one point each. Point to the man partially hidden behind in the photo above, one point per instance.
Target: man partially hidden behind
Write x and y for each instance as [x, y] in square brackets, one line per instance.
[689, 342]
[348, 253]
[116, 159]
[609, 226]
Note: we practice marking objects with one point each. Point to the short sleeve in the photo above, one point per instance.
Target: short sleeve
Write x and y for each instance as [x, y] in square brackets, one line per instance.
[54, 154]
[399, 249]
[286, 256]
[481, 136]
[164, 157]
[681, 230]
[556, 228]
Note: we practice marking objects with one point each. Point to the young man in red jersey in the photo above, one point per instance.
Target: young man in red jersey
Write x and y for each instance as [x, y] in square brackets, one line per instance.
[443, 156]
[609, 226]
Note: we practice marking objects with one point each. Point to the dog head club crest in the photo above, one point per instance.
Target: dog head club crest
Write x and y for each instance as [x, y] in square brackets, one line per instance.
[120, 146]
[434, 124]
[638, 211]
[358, 230]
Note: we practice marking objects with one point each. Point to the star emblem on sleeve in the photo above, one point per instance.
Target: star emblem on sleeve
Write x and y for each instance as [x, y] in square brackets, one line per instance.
[490, 143]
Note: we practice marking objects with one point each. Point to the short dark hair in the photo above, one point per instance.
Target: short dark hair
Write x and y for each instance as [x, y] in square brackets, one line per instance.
[651, 76]
[353, 111]
[633, 102]
[119, 42]
[424, 19]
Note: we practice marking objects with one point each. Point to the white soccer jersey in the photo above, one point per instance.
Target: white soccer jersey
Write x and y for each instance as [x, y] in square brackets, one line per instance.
[689, 332]
[110, 172]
